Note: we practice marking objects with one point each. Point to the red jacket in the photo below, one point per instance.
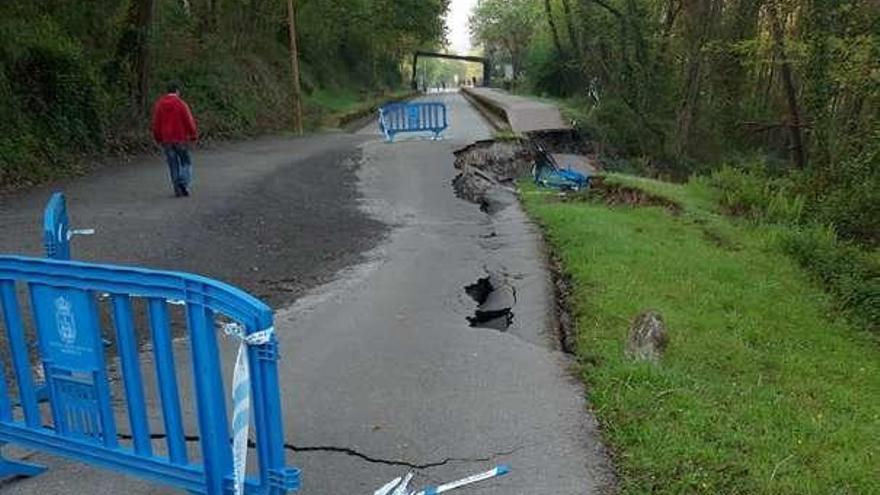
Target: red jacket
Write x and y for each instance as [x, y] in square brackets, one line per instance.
[172, 121]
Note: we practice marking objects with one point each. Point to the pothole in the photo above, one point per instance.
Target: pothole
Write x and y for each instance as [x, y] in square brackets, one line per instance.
[495, 299]
[487, 170]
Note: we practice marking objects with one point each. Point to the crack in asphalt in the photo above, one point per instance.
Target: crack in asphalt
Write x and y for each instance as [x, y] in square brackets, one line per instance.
[391, 462]
[348, 451]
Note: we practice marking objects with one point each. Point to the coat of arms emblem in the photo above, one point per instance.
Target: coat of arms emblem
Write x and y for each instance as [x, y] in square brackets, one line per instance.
[64, 319]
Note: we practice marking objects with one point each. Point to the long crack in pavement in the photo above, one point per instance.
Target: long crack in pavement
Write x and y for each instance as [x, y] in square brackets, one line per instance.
[349, 451]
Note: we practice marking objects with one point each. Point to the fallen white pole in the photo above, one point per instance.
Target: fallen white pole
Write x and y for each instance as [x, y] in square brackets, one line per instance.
[497, 471]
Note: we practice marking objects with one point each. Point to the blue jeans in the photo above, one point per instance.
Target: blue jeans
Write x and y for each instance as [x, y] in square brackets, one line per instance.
[179, 165]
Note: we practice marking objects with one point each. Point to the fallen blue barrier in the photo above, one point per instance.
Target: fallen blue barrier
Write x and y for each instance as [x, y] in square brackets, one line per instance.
[396, 118]
[81, 420]
[547, 173]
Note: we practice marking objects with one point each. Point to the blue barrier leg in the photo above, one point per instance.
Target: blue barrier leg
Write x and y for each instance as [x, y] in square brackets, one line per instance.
[213, 424]
[18, 346]
[16, 468]
[163, 352]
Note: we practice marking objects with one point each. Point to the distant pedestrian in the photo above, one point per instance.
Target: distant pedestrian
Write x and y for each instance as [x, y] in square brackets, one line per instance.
[174, 128]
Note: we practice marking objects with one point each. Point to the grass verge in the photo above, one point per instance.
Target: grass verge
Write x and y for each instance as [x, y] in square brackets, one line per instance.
[764, 389]
[338, 108]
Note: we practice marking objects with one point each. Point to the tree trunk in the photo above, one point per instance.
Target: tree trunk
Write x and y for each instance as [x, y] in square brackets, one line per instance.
[553, 30]
[207, 19]
[670, 14]
[572, 34]
[141, 16]
[294, 66]
[697, 16]
[688, 112]
[794, 124]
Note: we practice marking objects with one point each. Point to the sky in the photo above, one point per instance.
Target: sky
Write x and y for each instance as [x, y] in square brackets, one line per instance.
[457, 23]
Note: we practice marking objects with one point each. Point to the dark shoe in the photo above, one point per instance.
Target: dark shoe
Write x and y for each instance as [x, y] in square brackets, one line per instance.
[184, 191]
[177, 192]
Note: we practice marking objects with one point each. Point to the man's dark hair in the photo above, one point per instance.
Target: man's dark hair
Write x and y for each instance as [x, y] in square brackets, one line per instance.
[173, 87]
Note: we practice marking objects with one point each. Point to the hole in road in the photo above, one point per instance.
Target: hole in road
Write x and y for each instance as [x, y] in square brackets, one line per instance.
[495, 300]
[479, 290]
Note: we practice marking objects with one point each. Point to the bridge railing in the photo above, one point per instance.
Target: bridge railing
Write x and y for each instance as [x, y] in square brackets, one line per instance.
[396, 118]
[59, 304]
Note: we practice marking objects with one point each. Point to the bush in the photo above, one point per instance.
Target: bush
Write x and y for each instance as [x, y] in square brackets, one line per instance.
[849, 273]
[51, 102]
[754, 195]
[849, 196]
[551, 72]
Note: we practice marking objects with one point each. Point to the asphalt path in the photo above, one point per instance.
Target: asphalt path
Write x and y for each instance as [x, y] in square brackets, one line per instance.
[365, 251]
[275, 216]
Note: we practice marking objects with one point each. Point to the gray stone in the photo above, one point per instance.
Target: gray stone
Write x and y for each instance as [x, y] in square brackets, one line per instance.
[647, 337]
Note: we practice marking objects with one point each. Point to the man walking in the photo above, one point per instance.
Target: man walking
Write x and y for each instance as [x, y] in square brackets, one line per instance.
[174, 129]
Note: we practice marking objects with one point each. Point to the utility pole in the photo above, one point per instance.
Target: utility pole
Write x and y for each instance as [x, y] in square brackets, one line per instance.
[294, 65]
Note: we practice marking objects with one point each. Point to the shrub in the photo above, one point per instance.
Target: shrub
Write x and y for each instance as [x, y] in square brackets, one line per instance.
[849, 196]
[51, 102]
[849, 273]
[755, 195]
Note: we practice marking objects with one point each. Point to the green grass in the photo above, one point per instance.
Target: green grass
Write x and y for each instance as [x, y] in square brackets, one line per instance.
[763, 389]
[340, 100]
[331, 108]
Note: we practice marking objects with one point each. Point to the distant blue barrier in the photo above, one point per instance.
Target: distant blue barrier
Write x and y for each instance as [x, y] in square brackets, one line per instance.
[56, 228]
[396, 118]
[80, 421]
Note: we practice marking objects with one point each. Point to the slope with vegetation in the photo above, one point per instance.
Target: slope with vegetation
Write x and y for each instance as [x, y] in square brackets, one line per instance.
[764, 388]
[78, 77]
[767, 270]
[780, 97]
[784, 88]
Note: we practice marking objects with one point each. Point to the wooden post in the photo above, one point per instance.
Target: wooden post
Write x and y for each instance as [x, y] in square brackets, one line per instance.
[294, 65]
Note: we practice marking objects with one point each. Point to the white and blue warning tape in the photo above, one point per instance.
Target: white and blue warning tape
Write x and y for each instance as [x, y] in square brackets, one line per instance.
[241, 398]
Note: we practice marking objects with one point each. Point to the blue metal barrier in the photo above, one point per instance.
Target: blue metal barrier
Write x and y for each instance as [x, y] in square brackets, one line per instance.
[80, 421]
[395, 118]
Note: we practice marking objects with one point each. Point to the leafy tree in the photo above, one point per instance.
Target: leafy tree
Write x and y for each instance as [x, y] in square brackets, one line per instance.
[80, 76]
[505, 29]
[684, 86]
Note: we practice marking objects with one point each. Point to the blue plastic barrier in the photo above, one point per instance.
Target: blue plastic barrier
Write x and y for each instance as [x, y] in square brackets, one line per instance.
[80, 421]
[396, 118]
[56, 228]
[547, 173]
